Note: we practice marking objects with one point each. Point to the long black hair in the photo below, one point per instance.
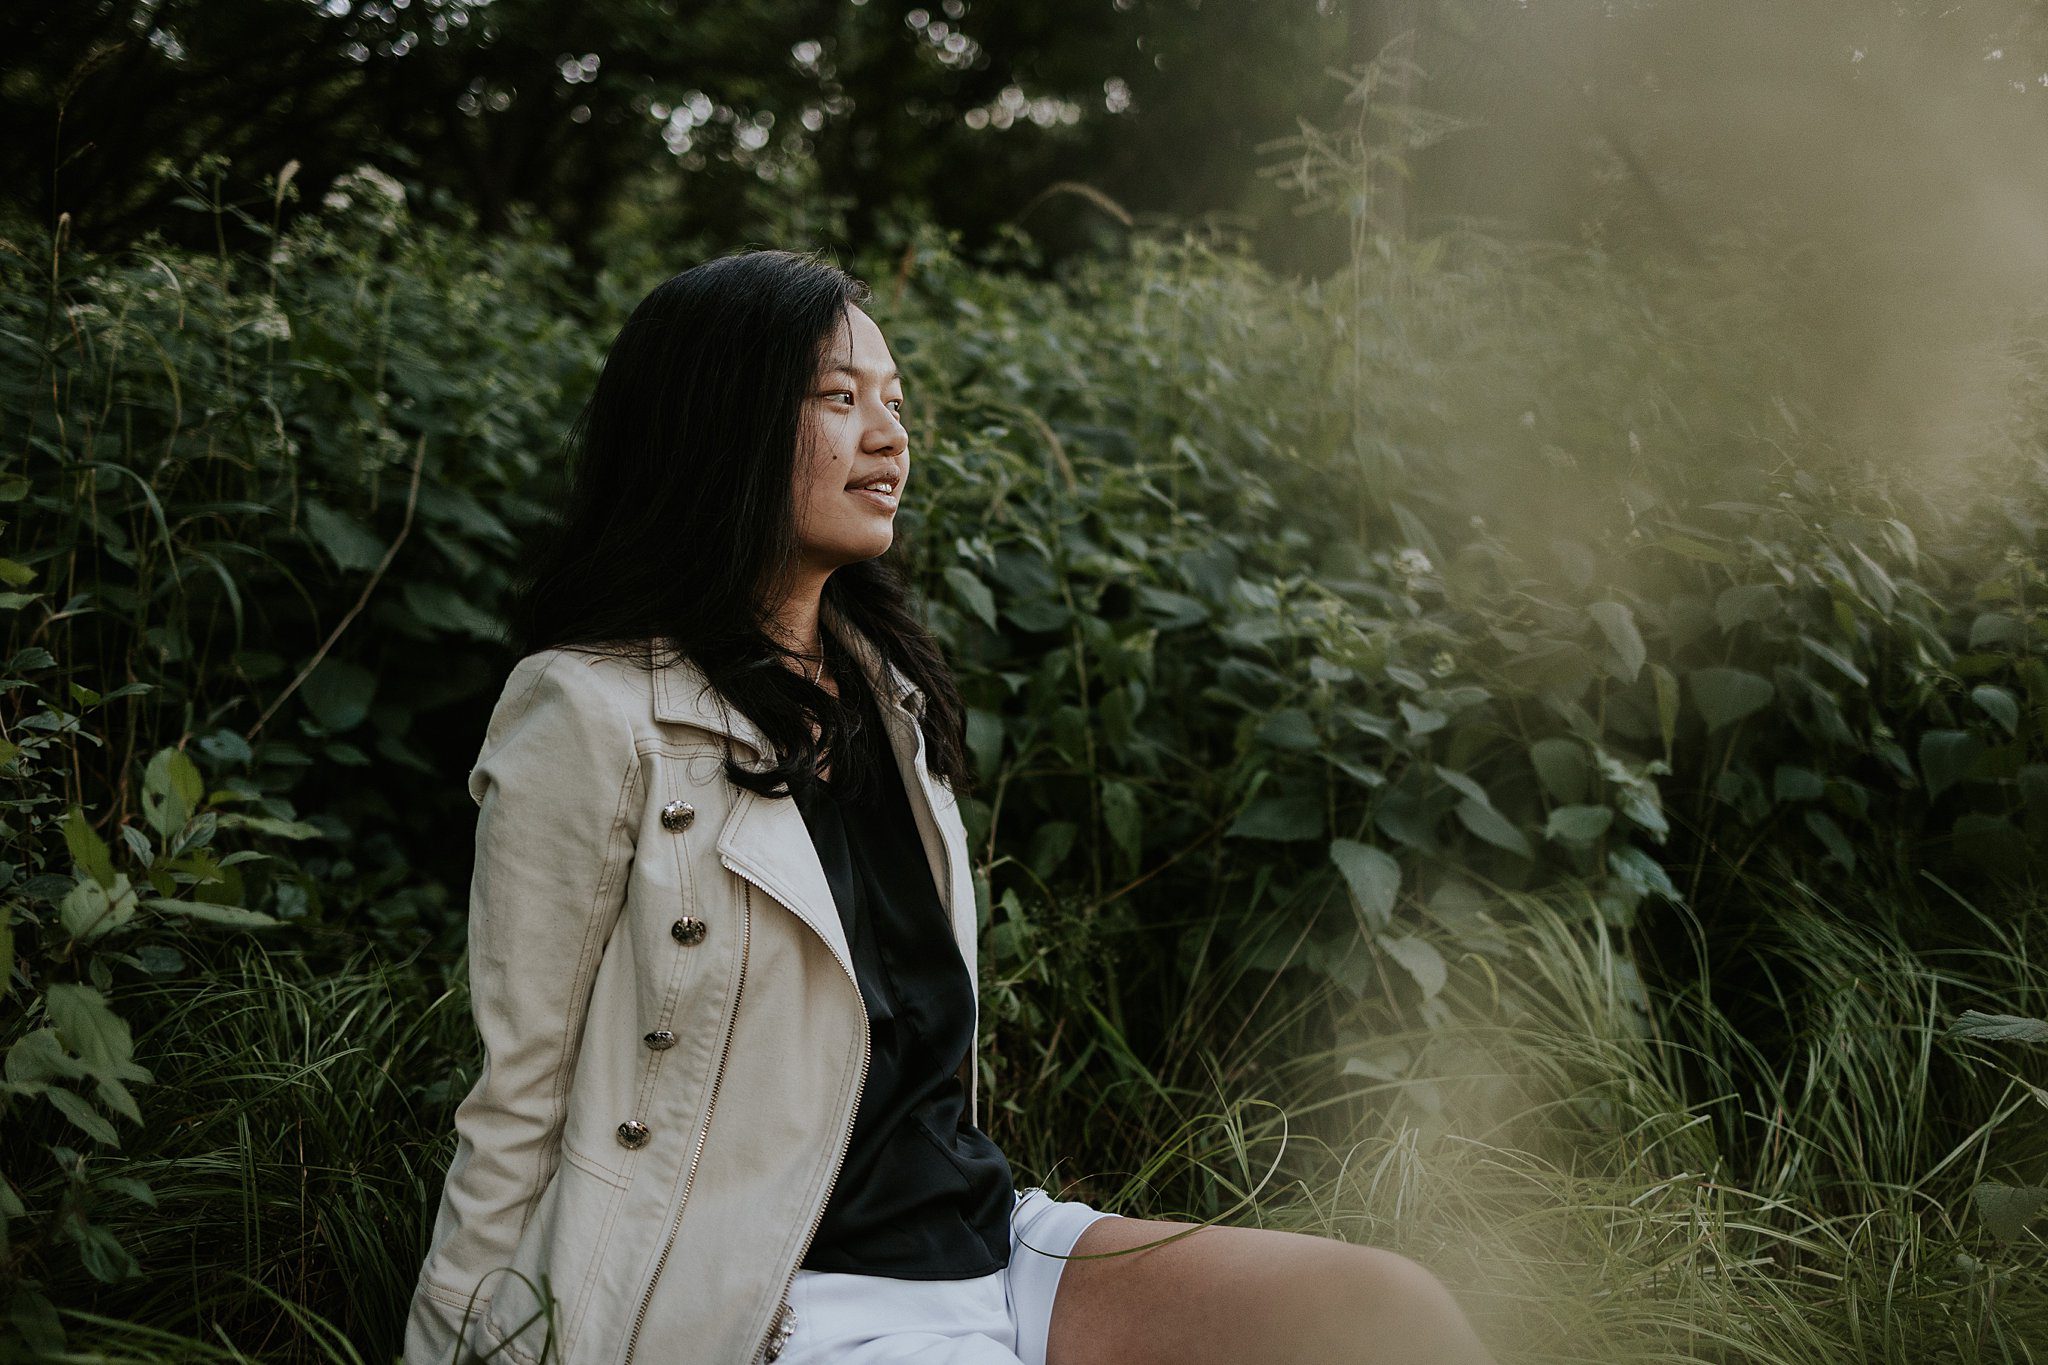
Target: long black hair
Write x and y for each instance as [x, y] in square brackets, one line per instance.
[681, 509]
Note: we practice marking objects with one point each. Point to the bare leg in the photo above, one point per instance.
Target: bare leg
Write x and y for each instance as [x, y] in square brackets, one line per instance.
[1250, 1296]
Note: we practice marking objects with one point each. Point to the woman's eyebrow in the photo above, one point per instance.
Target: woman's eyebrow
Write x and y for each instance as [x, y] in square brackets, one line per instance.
[856, 373]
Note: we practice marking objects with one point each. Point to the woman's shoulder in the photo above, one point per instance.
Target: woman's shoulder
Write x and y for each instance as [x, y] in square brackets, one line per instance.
[608, 679]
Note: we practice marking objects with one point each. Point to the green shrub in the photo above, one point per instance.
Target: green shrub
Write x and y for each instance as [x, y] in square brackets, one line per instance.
[1349, 662]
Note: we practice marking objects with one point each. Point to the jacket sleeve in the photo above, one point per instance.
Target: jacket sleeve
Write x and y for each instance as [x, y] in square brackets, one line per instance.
[558, 787]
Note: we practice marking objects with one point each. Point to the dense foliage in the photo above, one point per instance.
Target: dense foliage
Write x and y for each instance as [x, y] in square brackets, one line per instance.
[1471, 759]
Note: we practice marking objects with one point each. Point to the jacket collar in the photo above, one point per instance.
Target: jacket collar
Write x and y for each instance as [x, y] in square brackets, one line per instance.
[683, 695]
[768, 842]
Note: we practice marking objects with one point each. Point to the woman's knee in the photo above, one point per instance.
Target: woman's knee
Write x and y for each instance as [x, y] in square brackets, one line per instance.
[1399, 1313]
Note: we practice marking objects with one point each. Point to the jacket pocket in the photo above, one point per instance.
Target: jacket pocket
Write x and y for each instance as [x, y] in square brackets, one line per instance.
[537, 1307]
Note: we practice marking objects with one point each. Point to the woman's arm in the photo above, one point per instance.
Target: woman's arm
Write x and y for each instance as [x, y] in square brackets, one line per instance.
[558, 787]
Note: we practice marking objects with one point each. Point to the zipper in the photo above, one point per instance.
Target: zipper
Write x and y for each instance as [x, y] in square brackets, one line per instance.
[973, 983]
[697, 1152]
[845, 1141]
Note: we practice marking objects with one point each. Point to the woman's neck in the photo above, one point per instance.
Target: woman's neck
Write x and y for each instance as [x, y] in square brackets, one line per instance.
[793, 623]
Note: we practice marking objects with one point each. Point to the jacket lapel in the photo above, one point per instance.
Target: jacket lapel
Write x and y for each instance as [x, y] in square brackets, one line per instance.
[766, 840]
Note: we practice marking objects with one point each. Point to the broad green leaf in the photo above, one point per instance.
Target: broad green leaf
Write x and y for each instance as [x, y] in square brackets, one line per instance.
[1423, 720]
[1374, 878]
[1877, 583]
[79, 1110]
[1279, 817]
[1125, 821]
[1999, 1028]
[102, 1254]
[1642, 874]
[1618, 624]
[1694, 548]
[1039, 615]
[1463, 785]
[1946, 758]
[1997, 628]
[1640, 803]
[1489, 824]
[38, 1056]
[88, 850]
[1421, 960]
[1578, 825]
[1562, 766]
[342, 536]
[90, 910]
[1172, 610]
[232, 916]
[31, 1313]
[1745, 602]
[1291, 728]
[438, 606]
[1358, 772]
[117, 1097]
[972, 593]
[1051, 842]
[2000, 705]
[135, 1189]
[338, 693]
[1383, 1062]
[986, 739]
[171, 791]
[1838, 660]
[1793, 783]
[263, 824]
[2007, 1209]
[1829, 833]
[88, 1027]
[1726, 695]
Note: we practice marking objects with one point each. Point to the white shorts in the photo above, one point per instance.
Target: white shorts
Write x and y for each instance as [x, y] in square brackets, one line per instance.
[1000, 1318]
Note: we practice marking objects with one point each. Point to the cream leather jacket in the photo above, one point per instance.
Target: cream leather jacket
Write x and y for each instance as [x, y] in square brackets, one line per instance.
[674, 1040]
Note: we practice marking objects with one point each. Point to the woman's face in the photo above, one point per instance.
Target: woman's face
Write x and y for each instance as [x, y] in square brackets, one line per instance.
[854, 435]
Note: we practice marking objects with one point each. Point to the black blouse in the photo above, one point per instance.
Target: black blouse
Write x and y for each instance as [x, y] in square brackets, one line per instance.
[924, 1194]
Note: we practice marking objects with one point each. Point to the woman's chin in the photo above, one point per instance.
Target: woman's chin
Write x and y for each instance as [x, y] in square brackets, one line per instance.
[871, 546]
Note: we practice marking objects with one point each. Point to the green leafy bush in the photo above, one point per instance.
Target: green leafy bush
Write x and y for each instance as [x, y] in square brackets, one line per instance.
[1313, 635]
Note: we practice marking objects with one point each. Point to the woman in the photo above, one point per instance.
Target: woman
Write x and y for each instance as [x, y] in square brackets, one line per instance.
[729, 1101]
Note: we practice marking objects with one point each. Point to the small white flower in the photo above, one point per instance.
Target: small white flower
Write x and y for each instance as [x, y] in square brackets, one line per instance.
[1412, 562]
[381, 196]
[270, 321]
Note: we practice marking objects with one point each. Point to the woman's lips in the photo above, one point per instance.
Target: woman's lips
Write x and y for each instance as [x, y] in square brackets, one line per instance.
[885, 501]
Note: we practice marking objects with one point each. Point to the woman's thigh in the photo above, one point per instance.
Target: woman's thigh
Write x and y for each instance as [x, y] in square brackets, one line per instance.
[1243, 1296]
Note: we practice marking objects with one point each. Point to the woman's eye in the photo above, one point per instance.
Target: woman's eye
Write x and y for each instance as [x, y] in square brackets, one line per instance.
[896, 406]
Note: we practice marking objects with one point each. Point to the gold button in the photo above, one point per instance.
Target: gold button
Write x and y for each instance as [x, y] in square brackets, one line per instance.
[633, 1133]
[689, 930]
[677, 815]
